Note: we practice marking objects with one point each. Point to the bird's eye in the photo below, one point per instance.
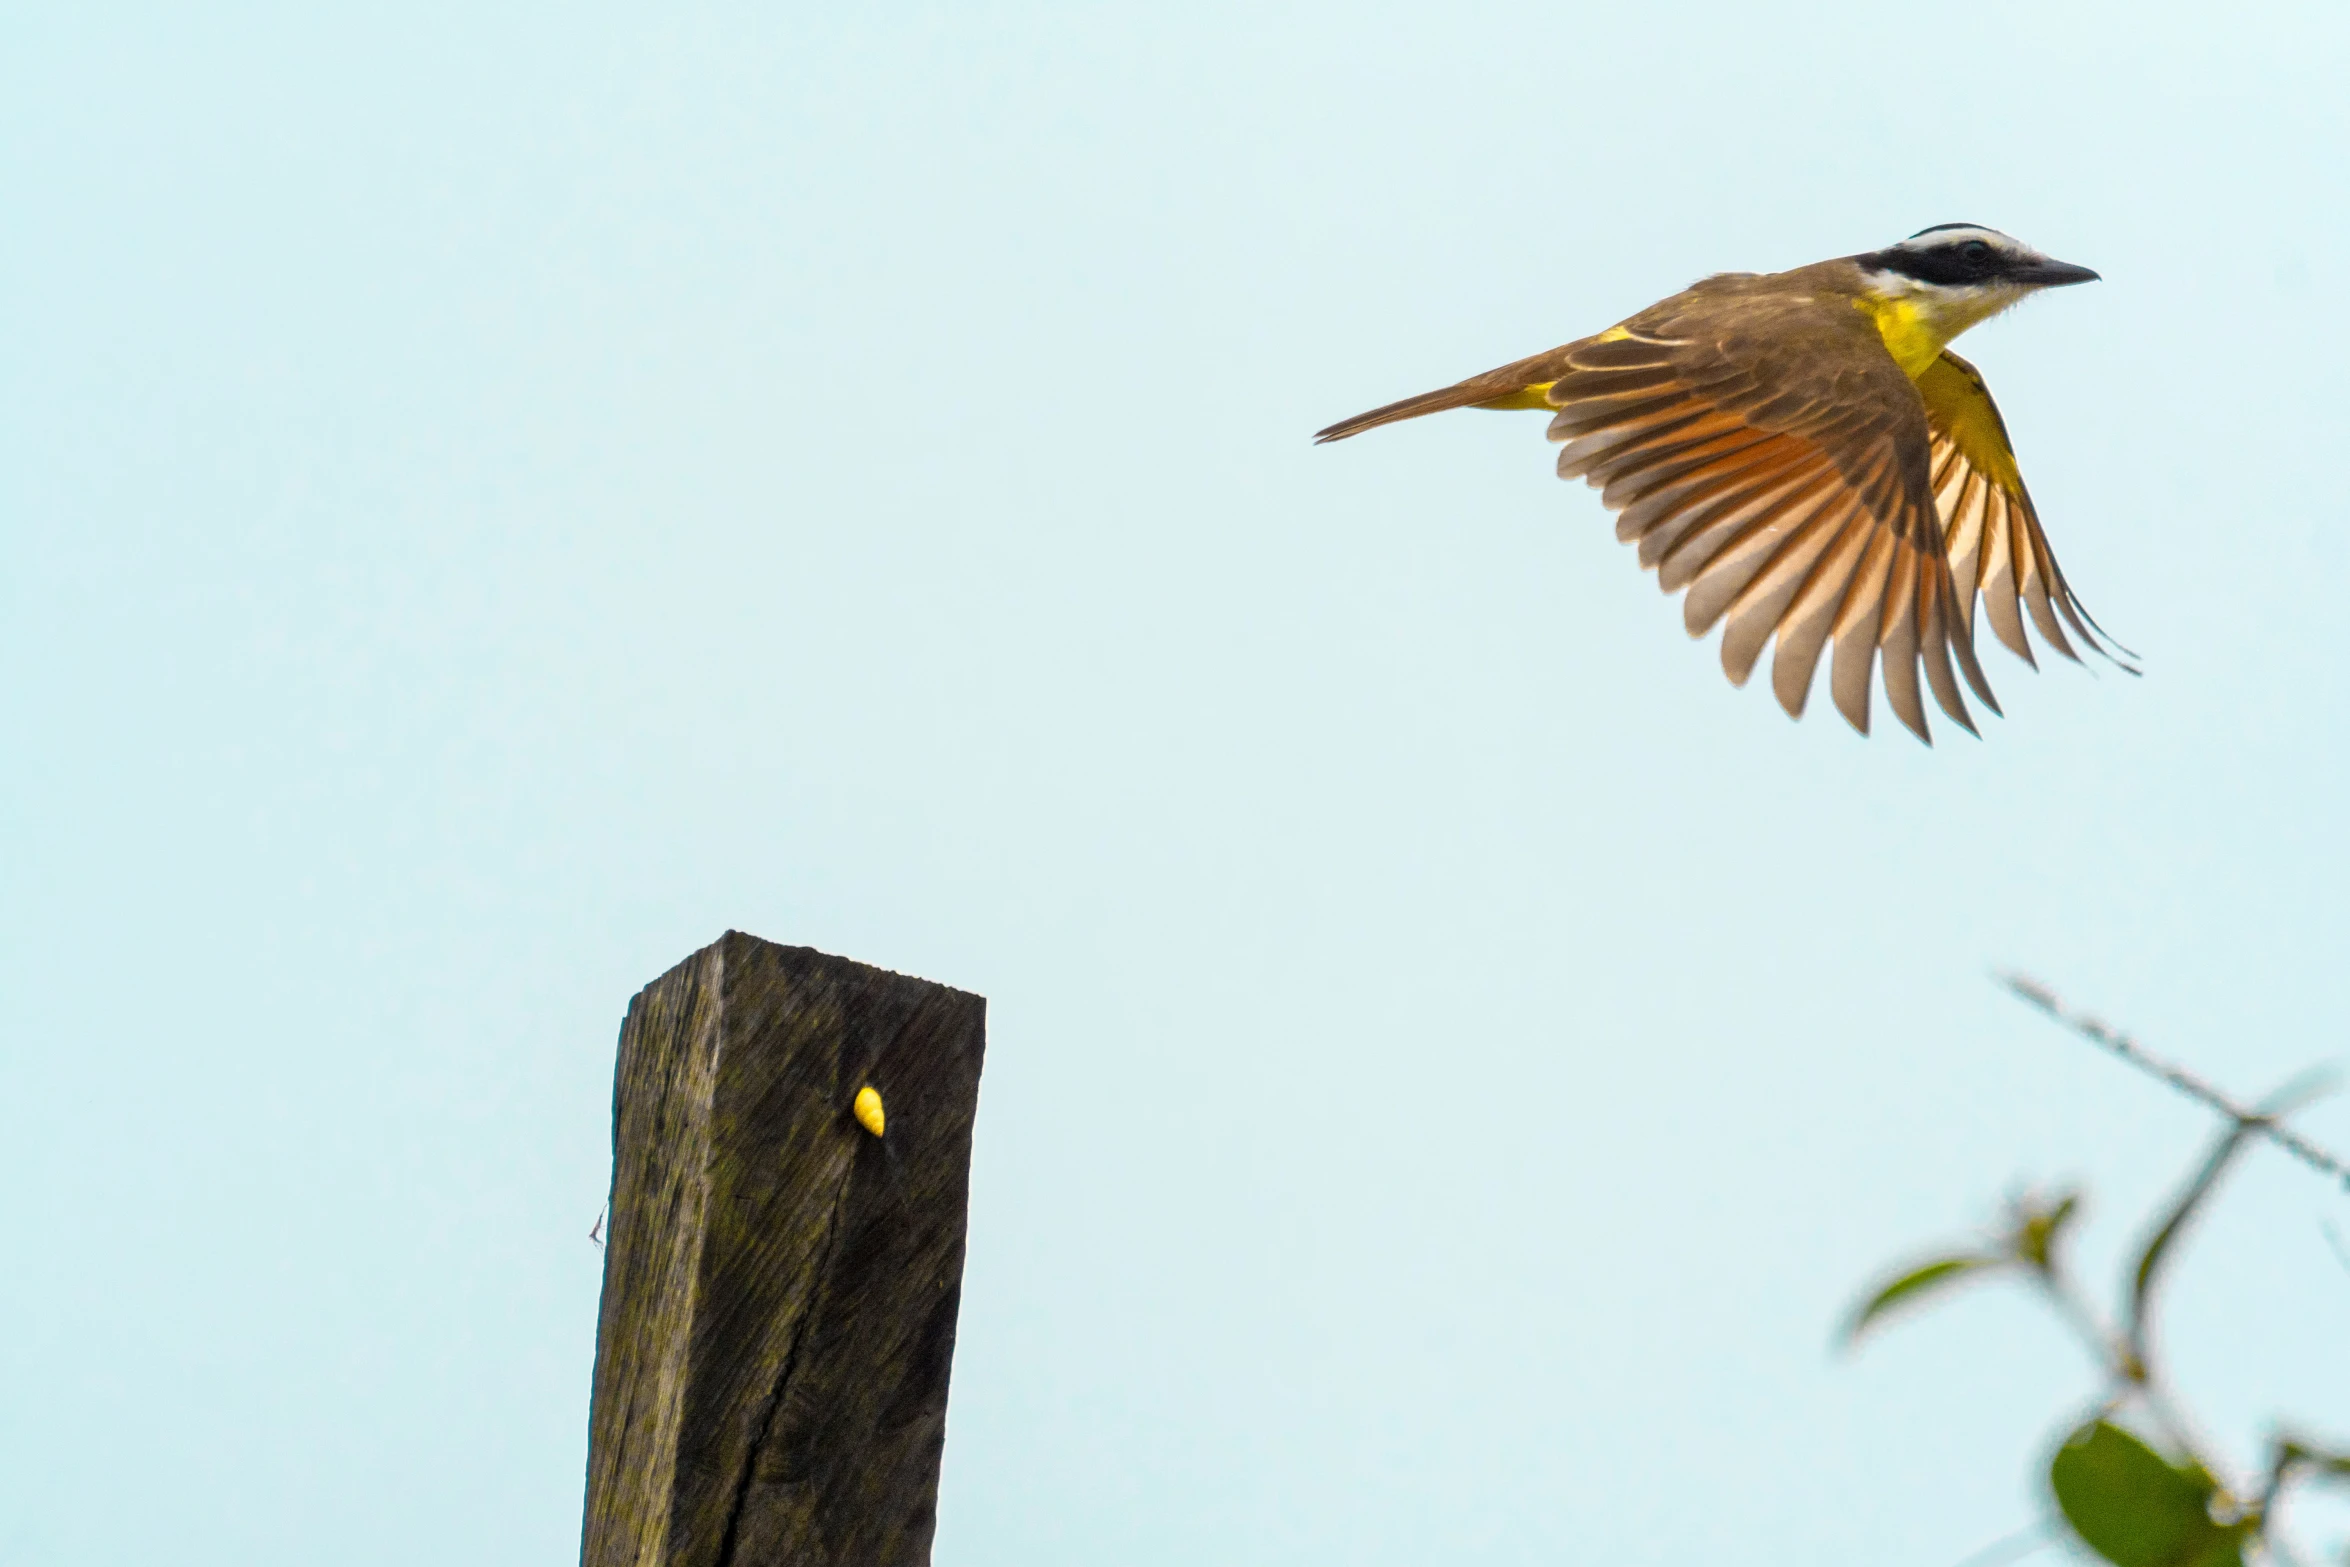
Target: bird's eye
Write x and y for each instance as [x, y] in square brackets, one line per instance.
[1975, 250]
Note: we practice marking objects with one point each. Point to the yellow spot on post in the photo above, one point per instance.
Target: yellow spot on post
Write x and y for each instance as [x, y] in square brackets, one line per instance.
[868, 1110]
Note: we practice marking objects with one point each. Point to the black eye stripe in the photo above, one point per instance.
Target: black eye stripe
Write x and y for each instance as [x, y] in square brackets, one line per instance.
[1954, 262]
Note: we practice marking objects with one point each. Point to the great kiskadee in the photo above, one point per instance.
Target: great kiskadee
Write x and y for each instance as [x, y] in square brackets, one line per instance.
[1802, 452]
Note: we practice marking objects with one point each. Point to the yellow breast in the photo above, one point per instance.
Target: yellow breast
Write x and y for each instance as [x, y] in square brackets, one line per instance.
[1912, 336]
[1918, 323]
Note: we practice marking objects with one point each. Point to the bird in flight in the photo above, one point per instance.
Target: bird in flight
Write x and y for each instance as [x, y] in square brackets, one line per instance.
[1804, 455]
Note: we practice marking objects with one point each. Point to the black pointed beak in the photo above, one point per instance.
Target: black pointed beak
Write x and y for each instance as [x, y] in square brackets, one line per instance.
[2050, 274]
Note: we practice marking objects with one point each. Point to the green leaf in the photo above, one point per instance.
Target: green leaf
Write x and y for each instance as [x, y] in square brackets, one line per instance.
[2039, 1226]
[2174, 1223]
[2237, 1137]
[1916, 1282]
[2136, 1508]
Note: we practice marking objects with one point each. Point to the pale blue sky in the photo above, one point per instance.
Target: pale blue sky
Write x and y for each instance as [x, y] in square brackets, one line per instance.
[496, 496]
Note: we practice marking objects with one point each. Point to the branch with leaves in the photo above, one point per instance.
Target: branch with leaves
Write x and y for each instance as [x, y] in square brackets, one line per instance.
[2133, 1502]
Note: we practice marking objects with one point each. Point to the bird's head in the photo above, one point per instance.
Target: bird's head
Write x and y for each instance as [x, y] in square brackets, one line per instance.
[1956, 274]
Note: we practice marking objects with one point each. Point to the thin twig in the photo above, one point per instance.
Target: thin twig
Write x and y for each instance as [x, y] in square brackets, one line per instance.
[2105, 1348]
[2120, 1044]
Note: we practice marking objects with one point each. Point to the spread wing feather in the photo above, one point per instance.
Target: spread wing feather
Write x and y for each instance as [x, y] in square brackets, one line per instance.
[1998, 551]
[1773, 462]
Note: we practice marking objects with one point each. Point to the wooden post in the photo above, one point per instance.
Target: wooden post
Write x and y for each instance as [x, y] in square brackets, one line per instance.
[780, 1284]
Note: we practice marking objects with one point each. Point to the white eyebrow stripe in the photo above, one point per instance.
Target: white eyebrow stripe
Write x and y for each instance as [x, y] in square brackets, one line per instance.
[1959, 234]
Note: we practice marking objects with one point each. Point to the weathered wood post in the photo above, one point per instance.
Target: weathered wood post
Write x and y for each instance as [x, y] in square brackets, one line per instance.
[780, 1284]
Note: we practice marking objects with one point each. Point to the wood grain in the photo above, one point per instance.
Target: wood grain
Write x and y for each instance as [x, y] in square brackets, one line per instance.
[780, 1286]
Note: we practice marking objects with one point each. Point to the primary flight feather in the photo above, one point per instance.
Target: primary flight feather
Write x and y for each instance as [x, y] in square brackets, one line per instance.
[1801, 453]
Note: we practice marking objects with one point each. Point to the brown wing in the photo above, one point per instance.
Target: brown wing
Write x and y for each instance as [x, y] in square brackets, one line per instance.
[1996, 545]
[1767, 455]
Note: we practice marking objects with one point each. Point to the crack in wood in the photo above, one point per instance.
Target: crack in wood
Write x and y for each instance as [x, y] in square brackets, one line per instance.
[773, 1405]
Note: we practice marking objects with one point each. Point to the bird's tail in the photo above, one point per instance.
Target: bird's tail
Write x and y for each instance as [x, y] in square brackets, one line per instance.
[1462, 395]
[1479, 393]
[1519, 385]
